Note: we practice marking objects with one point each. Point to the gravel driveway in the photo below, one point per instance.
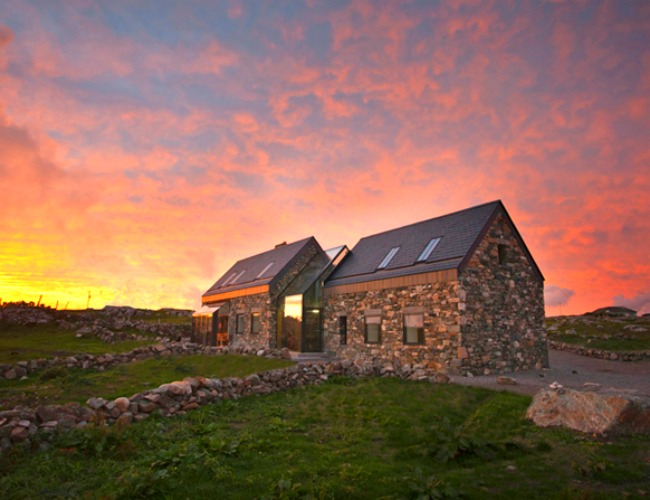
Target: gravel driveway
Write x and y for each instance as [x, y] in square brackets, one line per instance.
[576, 372]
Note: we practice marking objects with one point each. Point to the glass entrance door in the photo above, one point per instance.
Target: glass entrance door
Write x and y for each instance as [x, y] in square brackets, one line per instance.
[312, 339]
[290, 327]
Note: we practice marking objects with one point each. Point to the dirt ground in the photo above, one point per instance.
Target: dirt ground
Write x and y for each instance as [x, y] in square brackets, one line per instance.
[576, 372]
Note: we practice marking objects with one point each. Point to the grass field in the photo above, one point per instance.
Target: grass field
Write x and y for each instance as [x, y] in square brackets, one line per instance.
[603, 334]
[62, 385]
[371, 438]
[22, 343]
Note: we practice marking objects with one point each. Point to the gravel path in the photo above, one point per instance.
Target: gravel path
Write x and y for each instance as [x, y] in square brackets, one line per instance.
[574, 371]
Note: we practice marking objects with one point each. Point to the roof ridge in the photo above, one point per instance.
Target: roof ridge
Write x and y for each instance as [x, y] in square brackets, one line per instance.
[279, 246]
[495, 202]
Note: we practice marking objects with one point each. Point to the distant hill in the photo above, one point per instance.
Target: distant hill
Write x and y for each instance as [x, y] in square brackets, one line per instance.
[613, 311]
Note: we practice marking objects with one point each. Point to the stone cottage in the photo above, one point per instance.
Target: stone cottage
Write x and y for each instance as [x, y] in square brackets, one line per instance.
[273, 299]
[459, 293]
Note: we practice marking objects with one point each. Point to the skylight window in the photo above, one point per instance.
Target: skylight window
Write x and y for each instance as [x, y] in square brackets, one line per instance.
[428, 249]
[263, 271]
[388, 258]
[230, 278]
[237, 277]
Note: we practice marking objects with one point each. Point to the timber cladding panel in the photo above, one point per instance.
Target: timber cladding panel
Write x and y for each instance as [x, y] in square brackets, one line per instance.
[399, 282]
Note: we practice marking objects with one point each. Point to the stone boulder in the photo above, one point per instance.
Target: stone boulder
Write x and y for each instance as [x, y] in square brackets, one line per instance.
[590, 412]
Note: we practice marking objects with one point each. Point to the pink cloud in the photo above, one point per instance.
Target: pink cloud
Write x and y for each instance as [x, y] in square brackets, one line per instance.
[160, 160]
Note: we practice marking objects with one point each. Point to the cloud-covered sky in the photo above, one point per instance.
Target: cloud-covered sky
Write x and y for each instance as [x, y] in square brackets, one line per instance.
[145, 146]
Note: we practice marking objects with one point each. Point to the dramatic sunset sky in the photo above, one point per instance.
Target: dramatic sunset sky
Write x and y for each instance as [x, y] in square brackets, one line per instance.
[147, 145]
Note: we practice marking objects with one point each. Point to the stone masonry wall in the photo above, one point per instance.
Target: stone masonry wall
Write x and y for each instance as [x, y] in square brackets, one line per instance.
[441, 326]
[502, 307]
[303, 259]
[246, 306]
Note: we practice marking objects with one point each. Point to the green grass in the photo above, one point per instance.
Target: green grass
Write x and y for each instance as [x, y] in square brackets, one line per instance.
[602, 334]
[61, 385]
[373, 438]
[22, 343]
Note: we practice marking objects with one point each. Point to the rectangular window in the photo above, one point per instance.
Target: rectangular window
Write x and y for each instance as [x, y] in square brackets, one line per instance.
[431, 246]
[240, 323]
[388, 258]
[413, 328]
[373, 329]
[343, 330]
[503, 253]
[255, 322]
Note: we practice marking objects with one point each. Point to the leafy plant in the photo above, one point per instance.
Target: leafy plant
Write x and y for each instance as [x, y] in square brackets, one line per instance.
[98, 441]
[452, 443]
[139, 483]
[431, 488]
[53, 372]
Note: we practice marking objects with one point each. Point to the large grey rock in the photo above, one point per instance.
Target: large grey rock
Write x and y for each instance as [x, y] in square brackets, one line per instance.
[96, 403]
[590, 412]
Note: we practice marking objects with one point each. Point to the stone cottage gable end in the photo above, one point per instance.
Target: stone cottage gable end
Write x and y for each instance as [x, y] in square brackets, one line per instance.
[501, 292]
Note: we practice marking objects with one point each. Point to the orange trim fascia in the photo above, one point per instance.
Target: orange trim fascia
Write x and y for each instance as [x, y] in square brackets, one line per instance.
[219, 297]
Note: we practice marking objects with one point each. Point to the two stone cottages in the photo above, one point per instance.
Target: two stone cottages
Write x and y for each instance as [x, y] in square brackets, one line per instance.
[459, 293]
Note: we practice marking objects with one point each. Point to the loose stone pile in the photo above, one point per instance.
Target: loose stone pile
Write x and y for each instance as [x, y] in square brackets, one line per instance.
[110, 324]
[20, 425]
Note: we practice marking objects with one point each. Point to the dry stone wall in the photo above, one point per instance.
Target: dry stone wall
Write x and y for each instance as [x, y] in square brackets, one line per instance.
[23, 425]
[599, 353]
[502, 307]
[104, 361]
[439, 303]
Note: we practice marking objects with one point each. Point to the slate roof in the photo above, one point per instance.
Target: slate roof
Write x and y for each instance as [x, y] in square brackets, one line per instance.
[260, 269]
[459, 233]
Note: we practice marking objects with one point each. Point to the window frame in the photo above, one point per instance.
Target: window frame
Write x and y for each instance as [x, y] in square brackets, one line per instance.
[389, 257]
[343, 330]
[376, 320]
[232, 282]
[254, 323]
[419, 329]
[265, 270]
[428, 250]
[502, 253]
[239, 323]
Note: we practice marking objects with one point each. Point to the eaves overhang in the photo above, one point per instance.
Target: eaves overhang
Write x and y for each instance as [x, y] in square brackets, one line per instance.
[233, 294]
